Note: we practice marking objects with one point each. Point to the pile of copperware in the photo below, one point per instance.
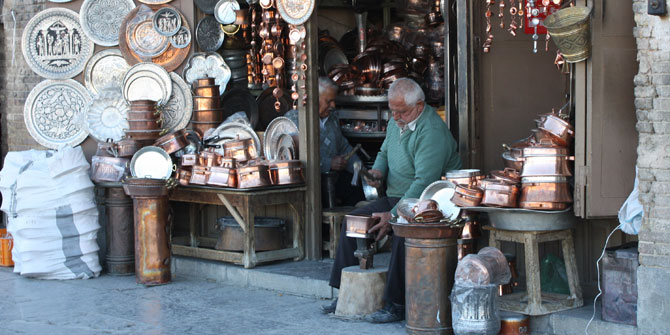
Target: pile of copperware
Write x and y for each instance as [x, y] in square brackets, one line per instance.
[207, 111]
[543, 161]
[144, 121]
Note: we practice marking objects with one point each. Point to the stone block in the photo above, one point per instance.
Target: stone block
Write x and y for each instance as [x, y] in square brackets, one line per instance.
[654, 248]
[653, 304]
[645, 127]
[655, 260]
[662, 104]
[641, 79]
[645, 92]
[644, 103]
[661, 79]
[361, 291]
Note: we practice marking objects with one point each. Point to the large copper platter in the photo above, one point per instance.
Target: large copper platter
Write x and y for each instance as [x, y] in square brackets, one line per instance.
[170, 59]
[105, 69]
[101, 20]
[177, 113]
[295, 11]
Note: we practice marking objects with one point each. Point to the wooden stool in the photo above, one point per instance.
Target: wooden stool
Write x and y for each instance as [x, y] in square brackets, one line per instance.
[534, 301]
[332, 217]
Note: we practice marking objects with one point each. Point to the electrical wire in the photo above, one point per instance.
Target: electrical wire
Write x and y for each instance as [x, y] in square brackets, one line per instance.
[600, 291]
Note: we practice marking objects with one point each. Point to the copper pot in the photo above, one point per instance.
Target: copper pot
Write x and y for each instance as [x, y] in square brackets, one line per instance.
[511, 162]
[142, 105]
[149, 124]
[208, 115]
[143, 115]
[199, 175]
[173, 141]
[500, 194]
[242, 150]
[514, 323]
[189, 159]
[221, 176]
[206, 103]
[209, 158]
[545, 189]
[507, 175]
[143, 134]
[359, 225]
[286, 172]
[104, 168]
[253, 176]
[183, 176]
[542, 136]
[561, 131]
[205, 82]
[127, 147]
[145, 187]
[467, 196]
[202, 127]
[546, 161]
[207, 91]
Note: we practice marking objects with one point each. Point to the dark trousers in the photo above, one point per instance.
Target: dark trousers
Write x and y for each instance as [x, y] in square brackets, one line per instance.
[394, 291]
[345, 193]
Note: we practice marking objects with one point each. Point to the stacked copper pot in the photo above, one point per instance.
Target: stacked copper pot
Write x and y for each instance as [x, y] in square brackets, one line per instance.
[544, 162]
[144, 120]
[207, 111]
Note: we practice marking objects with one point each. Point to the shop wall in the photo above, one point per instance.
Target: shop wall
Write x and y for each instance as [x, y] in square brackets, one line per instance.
[652, 104]
[17, 79]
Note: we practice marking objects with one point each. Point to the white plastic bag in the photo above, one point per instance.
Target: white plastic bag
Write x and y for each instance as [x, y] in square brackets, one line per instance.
[631, 212]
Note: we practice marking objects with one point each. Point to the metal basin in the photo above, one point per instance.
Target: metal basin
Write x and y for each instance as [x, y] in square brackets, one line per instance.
[519, 219]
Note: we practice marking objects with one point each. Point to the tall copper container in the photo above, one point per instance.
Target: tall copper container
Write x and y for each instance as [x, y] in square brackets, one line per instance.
[430, 264]
[152, 230]
[514, 324]
[120, 245]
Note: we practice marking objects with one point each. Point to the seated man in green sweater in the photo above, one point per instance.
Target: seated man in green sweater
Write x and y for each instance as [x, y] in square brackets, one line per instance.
[417, 151]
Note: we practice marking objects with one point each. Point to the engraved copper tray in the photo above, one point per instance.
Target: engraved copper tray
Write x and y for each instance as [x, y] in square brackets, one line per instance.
[105, 70]
[177, 113]
[101, 20]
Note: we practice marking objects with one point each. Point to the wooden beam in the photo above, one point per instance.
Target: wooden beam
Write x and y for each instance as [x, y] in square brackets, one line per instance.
[274, 255]
[215, 255]
[309, 144]
[463, 60]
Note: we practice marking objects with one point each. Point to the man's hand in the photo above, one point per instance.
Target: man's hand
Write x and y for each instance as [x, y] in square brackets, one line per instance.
[338, 163]
[377, 182]
[384, 227]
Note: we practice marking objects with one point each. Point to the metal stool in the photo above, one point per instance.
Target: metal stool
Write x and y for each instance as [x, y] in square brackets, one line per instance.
[534, 301]
[332, 217]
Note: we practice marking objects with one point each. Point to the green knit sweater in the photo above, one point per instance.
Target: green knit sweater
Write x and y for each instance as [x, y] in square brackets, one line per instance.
[413, 160]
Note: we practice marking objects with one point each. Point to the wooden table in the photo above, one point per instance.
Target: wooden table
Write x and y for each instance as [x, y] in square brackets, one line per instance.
[241, 203]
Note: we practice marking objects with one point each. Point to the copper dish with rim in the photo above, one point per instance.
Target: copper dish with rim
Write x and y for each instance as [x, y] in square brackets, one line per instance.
[173, 141]
[253, 176]
[467, 195]
[242, 150]
[222, 176]
[209, 158]
[286, 172]
[199, 175]
[500, 194]
[206, 103]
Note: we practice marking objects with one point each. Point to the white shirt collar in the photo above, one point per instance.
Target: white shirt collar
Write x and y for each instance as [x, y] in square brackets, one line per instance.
[323, 122]
[411, 126]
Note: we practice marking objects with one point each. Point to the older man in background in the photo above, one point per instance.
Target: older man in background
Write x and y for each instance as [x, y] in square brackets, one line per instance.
[417, 151]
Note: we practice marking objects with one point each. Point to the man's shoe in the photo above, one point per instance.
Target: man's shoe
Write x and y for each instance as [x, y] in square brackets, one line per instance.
[330, 308]
[389, 313]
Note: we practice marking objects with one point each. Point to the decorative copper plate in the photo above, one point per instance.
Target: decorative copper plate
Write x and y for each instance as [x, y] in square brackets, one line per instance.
[54, 44]
[209, 34]
[105, 70]
[177, 113]
[170, 59]
[53, 112]
[100, 20]
[167, 21]
[295, 11]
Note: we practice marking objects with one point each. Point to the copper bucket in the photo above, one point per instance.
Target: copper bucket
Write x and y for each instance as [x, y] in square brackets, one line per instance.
[206, 103]
[570, 29]
[120, 238]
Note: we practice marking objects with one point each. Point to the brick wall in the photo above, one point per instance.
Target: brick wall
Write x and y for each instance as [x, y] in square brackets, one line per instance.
[652, 103]
[18, 79]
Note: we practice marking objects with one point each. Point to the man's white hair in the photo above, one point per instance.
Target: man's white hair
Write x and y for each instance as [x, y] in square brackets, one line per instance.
[408, 89]
[326, 83]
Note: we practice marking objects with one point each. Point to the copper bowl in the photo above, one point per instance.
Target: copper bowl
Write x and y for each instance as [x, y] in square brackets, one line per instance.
[199, 175]
[467, 196]
[173, 141]
[221, 176]
[253, 176]
[205, 82]
[209, 158]
[208, 115]
[242, 150]
[206, 103]
[207, 91]
[286, 172]
[145, 187]
[145, 124]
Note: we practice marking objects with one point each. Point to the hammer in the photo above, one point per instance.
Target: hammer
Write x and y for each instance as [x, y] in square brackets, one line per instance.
[360, 169]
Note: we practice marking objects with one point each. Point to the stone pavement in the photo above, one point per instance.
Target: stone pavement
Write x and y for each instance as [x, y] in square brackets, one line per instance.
[117, 305]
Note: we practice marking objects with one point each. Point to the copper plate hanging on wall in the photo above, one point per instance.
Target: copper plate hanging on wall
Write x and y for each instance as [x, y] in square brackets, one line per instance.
[170, 59]
[295, 11]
